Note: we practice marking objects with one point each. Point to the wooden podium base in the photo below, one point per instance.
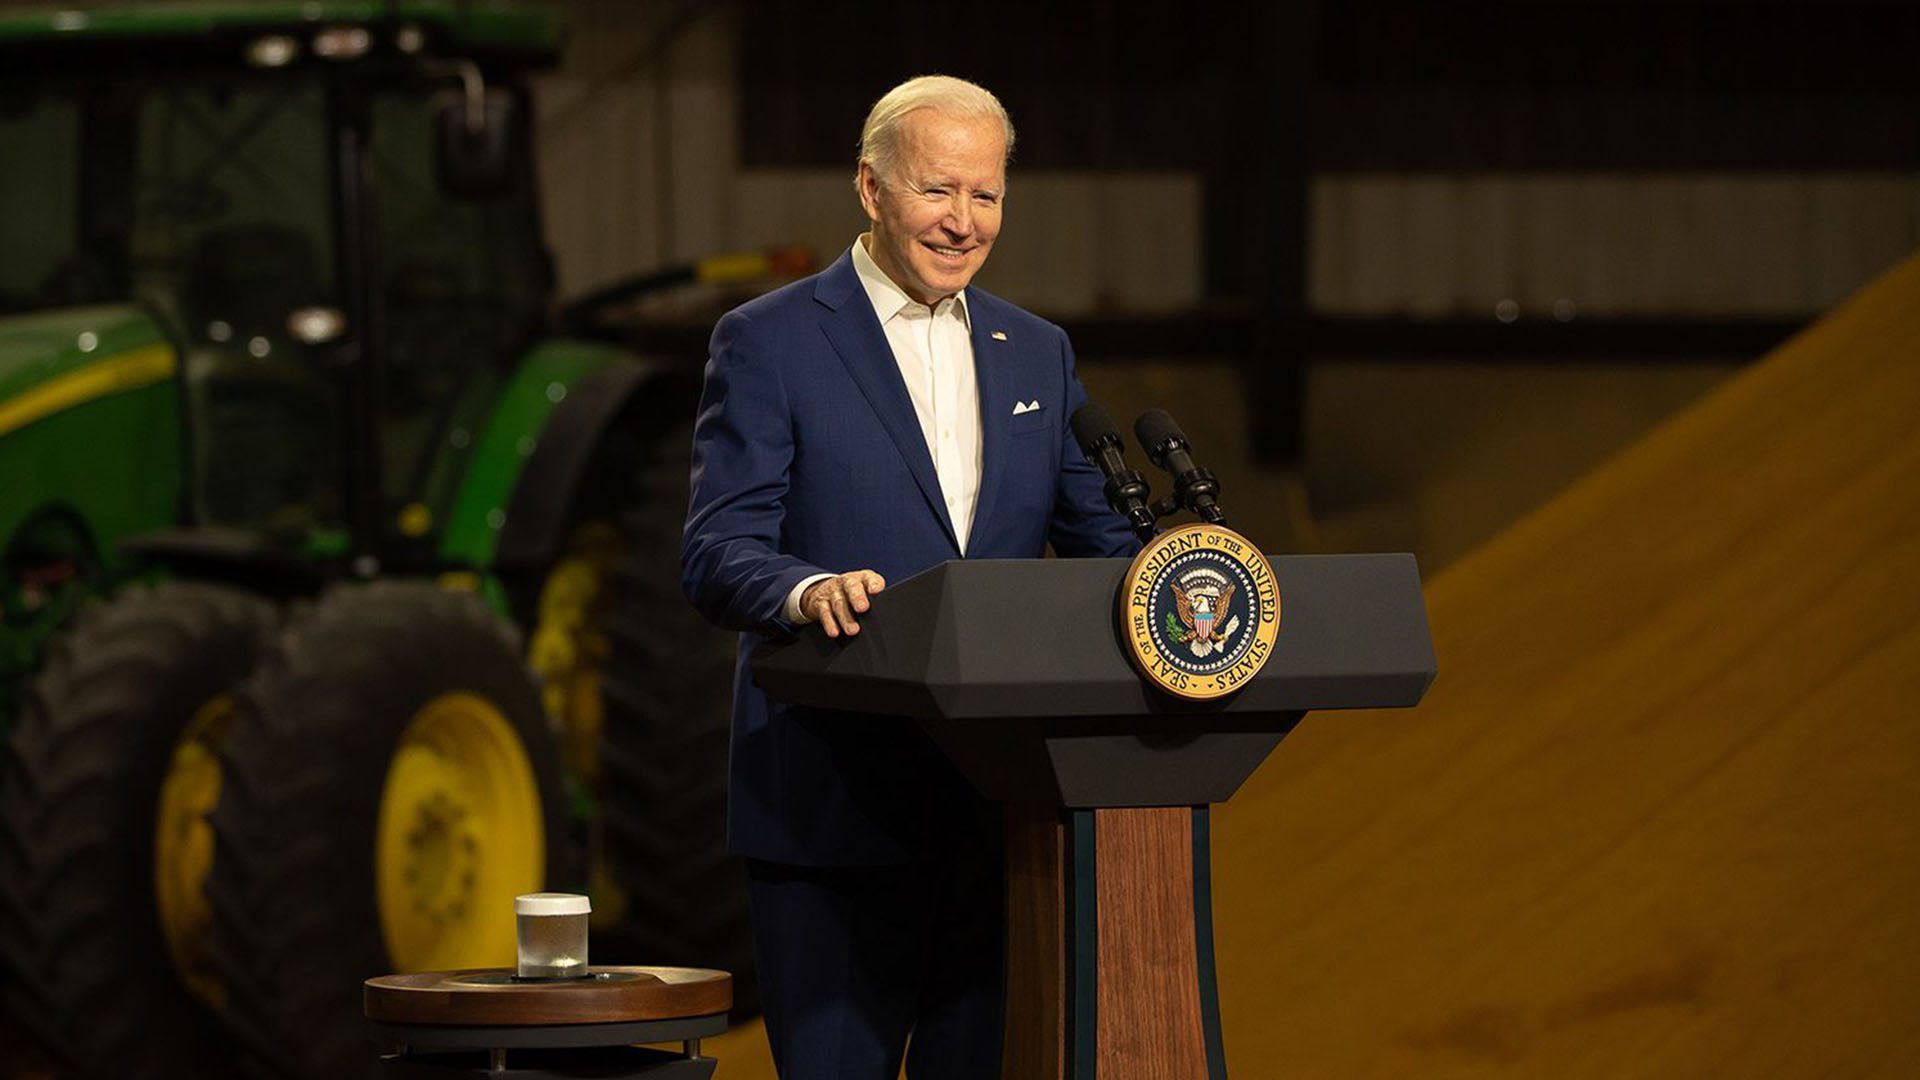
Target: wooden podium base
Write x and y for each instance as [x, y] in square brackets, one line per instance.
[1110, 945]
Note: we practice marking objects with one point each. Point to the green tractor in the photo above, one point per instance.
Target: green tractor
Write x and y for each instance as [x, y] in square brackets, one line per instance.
[338, 594]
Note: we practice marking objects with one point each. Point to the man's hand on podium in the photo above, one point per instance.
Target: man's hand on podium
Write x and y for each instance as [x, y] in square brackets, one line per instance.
[832, 602]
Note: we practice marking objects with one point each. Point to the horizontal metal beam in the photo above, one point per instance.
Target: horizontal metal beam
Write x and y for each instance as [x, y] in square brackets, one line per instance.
[1330, 338]
[1386, 338]
[1678, 339]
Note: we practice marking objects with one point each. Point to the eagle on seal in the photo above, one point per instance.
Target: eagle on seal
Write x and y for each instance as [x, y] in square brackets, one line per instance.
[1198, 612]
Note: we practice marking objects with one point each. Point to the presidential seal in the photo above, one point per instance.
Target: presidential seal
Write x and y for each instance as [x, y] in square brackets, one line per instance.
[1199, 610]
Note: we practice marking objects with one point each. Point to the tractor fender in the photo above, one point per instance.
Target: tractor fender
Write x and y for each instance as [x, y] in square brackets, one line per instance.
[539, 511]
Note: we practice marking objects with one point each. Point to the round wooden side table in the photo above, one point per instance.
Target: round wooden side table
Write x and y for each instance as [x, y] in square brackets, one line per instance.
[491, 1023]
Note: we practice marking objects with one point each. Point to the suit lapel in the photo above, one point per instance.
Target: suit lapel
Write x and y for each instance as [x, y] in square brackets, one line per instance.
[992, 363]
[856, 336]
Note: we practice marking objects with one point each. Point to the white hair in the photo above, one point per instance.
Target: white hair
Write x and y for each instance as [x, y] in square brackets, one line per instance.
[880, 137]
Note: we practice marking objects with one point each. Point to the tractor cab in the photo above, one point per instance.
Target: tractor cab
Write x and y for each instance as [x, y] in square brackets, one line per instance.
[330, 223]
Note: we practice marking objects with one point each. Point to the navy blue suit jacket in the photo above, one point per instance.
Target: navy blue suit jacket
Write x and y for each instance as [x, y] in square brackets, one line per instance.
[808, 458]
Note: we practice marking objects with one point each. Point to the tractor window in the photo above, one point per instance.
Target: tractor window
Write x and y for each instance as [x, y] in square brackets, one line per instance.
[39, 205]
[233, 218]
[232, 232]
[462, 282]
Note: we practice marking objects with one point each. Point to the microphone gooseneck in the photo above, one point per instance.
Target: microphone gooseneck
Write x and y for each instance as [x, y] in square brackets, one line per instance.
[1099, 439]
[1194, 488]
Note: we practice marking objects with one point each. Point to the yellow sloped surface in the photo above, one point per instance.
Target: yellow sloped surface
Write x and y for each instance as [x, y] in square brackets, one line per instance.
[1660, 813]
[742, 1054]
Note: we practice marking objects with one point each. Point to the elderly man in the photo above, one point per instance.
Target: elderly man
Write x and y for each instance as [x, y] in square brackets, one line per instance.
[856, 428]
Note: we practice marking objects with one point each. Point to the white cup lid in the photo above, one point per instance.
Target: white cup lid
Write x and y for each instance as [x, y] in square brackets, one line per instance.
[551, 903]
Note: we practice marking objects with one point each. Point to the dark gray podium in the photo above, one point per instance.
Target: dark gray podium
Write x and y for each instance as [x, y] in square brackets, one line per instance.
[1015, 669]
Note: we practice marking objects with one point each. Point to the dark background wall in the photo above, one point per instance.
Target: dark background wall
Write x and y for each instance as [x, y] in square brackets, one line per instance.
[1404, 268]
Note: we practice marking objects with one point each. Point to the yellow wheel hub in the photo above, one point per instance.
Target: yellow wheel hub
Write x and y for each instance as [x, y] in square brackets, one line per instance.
[567, 649]
[460, 834]
[183, 846]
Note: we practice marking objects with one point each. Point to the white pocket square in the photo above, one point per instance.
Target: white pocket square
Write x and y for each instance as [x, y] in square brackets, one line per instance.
[1020, 408]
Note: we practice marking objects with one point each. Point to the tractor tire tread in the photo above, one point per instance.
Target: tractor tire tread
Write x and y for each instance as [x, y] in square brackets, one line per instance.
[667, 689]
[81, 942]
[292, 960]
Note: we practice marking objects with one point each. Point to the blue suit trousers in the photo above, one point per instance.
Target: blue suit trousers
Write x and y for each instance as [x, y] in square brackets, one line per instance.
[865, 965]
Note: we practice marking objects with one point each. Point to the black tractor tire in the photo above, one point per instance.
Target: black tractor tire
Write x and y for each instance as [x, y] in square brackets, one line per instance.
[666, 704]
[79, 926]
[663, 754]
[297, 918]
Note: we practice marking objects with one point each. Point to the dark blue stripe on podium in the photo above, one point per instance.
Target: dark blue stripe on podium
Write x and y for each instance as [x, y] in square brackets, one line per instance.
[1203, 943]
[1085, 916]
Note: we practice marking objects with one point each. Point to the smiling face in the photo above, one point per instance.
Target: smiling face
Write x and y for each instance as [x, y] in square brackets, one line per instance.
[936, 214]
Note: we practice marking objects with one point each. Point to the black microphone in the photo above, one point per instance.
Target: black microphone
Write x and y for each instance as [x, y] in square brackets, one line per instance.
[1099, 438]
[1193, 487]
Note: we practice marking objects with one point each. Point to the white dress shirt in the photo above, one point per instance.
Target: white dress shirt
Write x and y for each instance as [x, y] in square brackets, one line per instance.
[934, 349]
